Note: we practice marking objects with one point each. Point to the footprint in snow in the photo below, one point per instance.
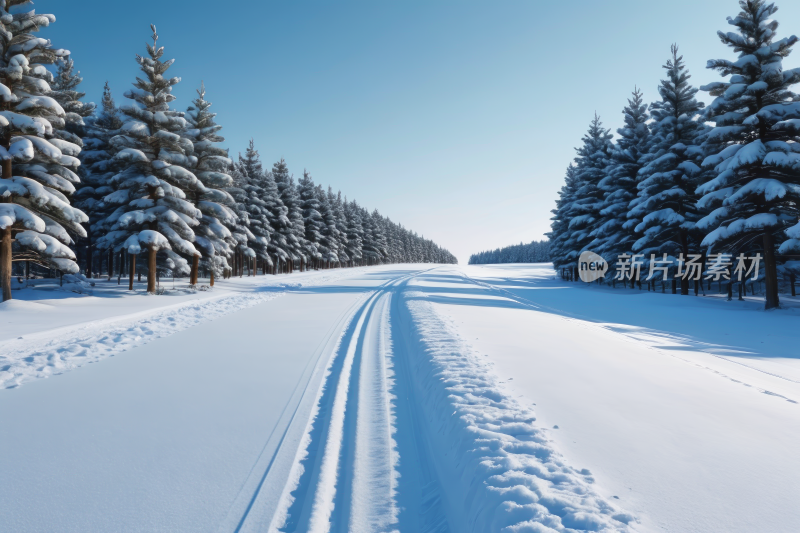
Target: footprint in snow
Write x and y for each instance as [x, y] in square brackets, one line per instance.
[555, 427]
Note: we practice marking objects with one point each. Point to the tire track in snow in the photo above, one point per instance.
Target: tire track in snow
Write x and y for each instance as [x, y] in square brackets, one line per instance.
[373, 506]
[348, 475]
[324, 497]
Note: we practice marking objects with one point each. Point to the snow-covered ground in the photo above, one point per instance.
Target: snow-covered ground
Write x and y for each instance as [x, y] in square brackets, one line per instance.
[399, 398]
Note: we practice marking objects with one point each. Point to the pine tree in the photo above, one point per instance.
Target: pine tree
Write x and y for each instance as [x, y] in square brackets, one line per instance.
[278, 219]
[97, 171]
[614, 234]
[330, 235]
[379, 241]
[294, 232]
[666, 205]
[64, 91]
[212, 236]
[584, 210]
[250, 165]
[355, 232]
[312, 219]
[35, 212]
[752, 148]
[240, 231]
[341, 226]
[257, 203]
[559, 227]
[154, 179]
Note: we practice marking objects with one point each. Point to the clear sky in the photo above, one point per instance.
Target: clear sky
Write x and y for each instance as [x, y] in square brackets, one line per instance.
[456, 119]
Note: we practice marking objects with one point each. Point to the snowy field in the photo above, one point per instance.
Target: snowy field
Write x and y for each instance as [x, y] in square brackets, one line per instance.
[399, 398]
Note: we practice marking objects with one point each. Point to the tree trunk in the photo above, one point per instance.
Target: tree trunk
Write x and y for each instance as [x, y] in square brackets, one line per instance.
[89, 254]
[792, 279]
[110, 263]
[770, 272]
[132, 258]
[211, 277]
[675, 286]
[5, 261]
[151, 270]
[685, 251]
[195, 267]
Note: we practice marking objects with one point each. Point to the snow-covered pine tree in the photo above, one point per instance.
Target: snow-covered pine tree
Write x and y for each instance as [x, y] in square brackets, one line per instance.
[330, 235]
[38, 168]
[614, 234]
[294, 233]
[666, 203]
[355, 232]
[240, 230]
[250, 165]
[278, 220]
[559, 227]
[312, 220]
[97, 171]
[213, 236]
[379, 240]
[752, 148]
[341, 226]
[257, 203]
[584, 212]
[369, 248]
[64, 91]
[153, 180]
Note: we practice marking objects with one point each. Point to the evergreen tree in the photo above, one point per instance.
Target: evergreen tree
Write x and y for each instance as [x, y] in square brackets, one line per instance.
[341, 226]
[212, 236]
[533, 252]
[584, 210]
[294, 232]
[752, 148]
[250, 165]
[355, 232]
[153, 180]
[97, 171]
[559, 227]
[312, 219]
[64, 91]
[666, 205]
[240, 231]
[278, 220]
[614, 234]
[330, 235]
[379, 241]
[38, 167]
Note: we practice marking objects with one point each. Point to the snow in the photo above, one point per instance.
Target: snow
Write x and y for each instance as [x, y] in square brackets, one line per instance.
[397, 398]
[11, 214]
[660, 396]
[37, 103]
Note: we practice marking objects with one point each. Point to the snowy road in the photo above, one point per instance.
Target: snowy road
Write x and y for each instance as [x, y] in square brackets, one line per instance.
[400, 398]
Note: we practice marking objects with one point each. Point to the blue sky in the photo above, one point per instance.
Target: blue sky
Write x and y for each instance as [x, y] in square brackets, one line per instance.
[456, 119]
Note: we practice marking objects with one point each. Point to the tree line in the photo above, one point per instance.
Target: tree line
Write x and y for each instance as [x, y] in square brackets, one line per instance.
[144, 186]
[533, 252]
[683, 179]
